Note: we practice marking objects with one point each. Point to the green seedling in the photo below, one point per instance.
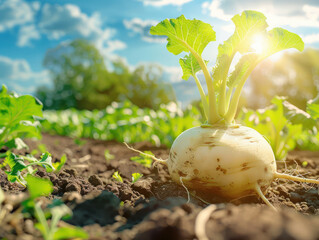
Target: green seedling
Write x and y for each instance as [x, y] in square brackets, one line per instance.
[108, 156]
[136, 177]
[58, 165]
[19, 168]
[117, 176]
[79, 141]
[50, 231]
[19, 119]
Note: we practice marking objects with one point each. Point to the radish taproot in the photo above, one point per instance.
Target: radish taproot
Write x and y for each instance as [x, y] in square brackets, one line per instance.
[221, 156]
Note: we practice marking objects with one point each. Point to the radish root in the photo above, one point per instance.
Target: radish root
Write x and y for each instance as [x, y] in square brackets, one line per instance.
[283, 176]
[188, 194]
[262, 196]
[159, 160]
[201, 221]
[294, 178]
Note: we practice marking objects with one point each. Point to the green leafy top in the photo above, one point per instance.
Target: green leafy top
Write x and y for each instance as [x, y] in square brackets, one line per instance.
[18, 116]
[184, 34]
[192, 36]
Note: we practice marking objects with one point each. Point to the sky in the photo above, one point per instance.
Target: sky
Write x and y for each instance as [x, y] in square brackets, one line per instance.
[120, 30]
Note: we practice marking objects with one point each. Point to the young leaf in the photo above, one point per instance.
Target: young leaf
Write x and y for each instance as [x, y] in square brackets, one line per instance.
[185, 35]
[117, 176]
[38, 186]
[248, 25]
[59, 165]
[23, 108]
[70, 233]
[17, 165]
[189, 66]
[280, 39]
[136, 177]
[108, 156]
[46, 161]
[298, 116]
[313, 109]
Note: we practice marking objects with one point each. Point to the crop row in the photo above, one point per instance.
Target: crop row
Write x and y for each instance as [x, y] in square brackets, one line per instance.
[123, 122]
[282, 124]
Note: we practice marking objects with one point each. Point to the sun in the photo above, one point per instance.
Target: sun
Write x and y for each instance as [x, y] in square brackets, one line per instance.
[259, 43]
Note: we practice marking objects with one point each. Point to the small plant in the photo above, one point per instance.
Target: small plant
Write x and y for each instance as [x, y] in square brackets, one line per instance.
[19, 119]
[136, 177]
[144, 158]
[58, 165]
[108, 156]
[42, 187]
[17, 166]
[79, 141]
[117, 176]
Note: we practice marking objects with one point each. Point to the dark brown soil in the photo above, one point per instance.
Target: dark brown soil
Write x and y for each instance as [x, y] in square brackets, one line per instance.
[155, 207]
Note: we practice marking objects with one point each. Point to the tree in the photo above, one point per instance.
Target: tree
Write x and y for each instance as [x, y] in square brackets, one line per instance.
[82, 80]
[147, 89]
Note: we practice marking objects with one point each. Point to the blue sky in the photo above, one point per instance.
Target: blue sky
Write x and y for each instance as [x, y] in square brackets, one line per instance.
[119, 29]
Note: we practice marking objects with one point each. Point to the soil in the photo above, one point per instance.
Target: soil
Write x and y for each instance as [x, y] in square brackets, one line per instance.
[155, 207]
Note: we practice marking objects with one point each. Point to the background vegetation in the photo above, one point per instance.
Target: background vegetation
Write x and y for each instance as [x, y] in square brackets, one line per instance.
[82, 80]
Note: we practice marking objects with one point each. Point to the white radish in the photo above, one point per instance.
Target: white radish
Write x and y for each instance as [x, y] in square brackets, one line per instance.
[231, 161]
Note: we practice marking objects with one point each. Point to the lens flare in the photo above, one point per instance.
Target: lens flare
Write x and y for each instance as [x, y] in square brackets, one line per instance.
[259, 44]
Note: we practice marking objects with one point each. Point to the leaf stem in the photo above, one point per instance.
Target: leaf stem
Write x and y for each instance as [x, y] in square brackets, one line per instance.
[230, 115]
[202, 95]
[228, 97]
[223, 103]
[213, 116]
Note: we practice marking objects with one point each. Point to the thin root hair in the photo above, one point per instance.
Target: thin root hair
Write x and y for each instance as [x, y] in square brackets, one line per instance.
[262, 196]
[295, 178]
[201, 221]
[296, 172]
[146, 154]
[188, 194]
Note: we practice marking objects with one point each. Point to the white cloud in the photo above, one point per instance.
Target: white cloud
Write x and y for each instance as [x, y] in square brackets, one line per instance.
[215, 10]
[57, 21]
[16, 12]
[26, 34]
[142, 27]
[19, 71]
[68, 20]
[291, 13]
[114, 45]
[311, 38]
[174, 73]
[160, 3]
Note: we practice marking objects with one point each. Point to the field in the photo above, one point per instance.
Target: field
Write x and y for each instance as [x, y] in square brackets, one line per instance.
[96, 184]
[155, 207]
